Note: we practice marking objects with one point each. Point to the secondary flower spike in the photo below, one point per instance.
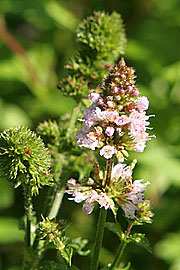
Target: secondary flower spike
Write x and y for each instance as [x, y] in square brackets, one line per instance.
[117, 119]
[126, 193]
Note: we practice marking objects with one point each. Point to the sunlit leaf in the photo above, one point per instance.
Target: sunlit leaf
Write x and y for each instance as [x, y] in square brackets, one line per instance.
[141, 240]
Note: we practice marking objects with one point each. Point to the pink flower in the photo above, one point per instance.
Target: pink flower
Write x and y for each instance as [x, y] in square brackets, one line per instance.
[138, 123]
[88, 207]
[108, 151]
[94, 97]
[122, 120]
[139, 147]
[109, 131]
[86, 140]
[115, 89]
[110, 104]
[135, 93]
[134, 197]
[142, 103]
[129, 88]
[90, 196]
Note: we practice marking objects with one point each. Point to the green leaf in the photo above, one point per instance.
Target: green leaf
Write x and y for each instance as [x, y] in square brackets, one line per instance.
[141, 240]
[78, 244]
[115, 228]
[67, 253]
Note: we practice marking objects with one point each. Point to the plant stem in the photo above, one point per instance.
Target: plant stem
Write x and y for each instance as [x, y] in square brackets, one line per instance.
[48, 205]
[73, 120]
[121, 248]
[28, 213]
[57, 203]
[98, 239]
[101, 222]
[108, 171]
[53, 190]
[56, 192]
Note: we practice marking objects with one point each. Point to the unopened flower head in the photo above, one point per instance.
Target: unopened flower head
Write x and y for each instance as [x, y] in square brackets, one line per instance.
[119, 113]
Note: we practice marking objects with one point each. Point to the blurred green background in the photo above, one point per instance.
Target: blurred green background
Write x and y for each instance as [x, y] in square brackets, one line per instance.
[36, 40]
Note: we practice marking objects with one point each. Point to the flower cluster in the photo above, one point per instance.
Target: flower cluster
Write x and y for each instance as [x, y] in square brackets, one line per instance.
[127, 194]
[117, 119]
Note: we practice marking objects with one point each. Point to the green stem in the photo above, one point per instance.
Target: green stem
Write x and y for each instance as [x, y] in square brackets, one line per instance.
[98, 239]
[101, 223]
[48, 205]
[53, 190]
[108, 171]
[56, 193]
[57, 203]
[121, 248]
[28, 213]
[73, 120]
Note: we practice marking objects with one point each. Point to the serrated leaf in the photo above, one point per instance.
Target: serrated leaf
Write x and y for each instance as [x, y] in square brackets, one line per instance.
[141, 240]
[115, 228]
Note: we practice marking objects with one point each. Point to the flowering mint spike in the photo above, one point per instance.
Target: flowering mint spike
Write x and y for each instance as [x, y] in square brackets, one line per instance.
[116, 122]
[128, 194]
[23, 158]
[101, 41]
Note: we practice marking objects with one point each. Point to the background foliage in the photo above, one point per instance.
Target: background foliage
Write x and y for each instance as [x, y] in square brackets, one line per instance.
[36, 40]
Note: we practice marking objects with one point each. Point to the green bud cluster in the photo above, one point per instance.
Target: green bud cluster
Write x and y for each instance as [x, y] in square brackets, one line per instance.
[54, 233]
[49, 132]
[101, 41]
[104, 34]
[144, 214]
[24, 158]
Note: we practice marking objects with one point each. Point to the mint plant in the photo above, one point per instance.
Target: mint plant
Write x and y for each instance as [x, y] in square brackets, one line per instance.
[113, 122]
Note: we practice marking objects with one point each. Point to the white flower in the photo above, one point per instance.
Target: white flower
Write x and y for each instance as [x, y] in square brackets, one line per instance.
[121, 171]
[142, 103]
[129, 209]
[105, 201]
[109, 131]
[108, 151]
[136, 196]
